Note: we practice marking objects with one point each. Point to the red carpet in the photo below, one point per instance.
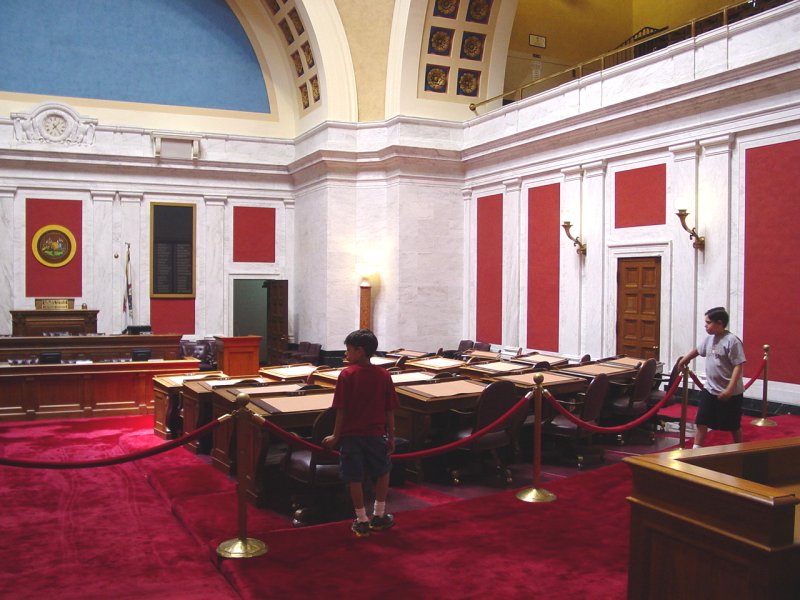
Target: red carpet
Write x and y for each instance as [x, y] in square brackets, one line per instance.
[92, 533]
[149, 530]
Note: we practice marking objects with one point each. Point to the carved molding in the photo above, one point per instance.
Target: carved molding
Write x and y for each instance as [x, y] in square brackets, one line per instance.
[54, 123]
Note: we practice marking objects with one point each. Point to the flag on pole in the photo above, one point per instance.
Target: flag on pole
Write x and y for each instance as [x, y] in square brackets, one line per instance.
[127, 299]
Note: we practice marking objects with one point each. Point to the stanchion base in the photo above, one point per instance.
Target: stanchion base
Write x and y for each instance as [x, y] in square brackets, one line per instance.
[763, 422]
[242, 548]
[535, 495]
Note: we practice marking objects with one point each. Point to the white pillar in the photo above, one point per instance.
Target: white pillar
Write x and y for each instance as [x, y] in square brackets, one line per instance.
[570, 266]
[511, 262]
[211, 285]
[99, 261]
[132, 226]
[7, 288]
[593, 227]
[713, 221]
[682, 193]
[470, 264]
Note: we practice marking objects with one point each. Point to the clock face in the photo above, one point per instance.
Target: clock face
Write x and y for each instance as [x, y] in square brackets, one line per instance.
[54, 126]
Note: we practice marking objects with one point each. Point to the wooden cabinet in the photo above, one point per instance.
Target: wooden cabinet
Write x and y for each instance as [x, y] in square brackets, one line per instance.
[716, 523]
[38, 322]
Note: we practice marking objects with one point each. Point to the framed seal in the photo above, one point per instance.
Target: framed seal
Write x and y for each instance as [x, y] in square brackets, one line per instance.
[53, 245]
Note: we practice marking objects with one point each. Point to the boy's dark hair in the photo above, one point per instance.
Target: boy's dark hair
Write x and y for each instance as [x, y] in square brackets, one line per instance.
[718, 313]
[363, 338]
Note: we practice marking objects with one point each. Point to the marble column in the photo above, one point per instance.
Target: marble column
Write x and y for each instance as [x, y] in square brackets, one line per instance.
[7, 288]
[470, 263]
[132, 226]
[286, 249]
[212, 299]
[593, 227]
[682, 193]
[511, 261]
[99, 261]
[713, 220]
[570, 266]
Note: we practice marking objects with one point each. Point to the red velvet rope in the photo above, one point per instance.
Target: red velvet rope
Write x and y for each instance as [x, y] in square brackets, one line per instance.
[300, 442]
[630, 425]
[753, 379]
[113, 460]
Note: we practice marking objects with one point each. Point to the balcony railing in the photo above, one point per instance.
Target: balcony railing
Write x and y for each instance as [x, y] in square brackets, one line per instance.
[635, 49]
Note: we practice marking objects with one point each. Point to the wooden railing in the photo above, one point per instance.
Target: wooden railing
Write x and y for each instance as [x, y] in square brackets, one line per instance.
[725, 16]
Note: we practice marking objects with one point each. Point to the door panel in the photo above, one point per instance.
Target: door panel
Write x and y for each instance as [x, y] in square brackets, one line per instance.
[277, 332]
[639, 306]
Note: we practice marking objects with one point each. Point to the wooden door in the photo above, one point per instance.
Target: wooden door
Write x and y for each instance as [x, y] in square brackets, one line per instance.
[277, 318]
[639, 306]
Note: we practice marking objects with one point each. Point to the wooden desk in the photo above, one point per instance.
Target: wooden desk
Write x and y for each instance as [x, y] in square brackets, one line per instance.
[296, 372]
[717, 523]
[614, 372]
[419, 401]
[196, 401]
[494, 368]
[38, 322]
[409, 354]
[436, 364]
[82, 390]
[628, 361]
[554, 382]
[329, 377]
[383, 361]
[555, 361]
[481, 354]
[91, 347]
[294, 411]
[223, 401]
[167, 418]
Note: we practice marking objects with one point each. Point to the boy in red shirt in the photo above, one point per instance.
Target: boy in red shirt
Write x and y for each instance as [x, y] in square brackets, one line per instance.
[365, 402]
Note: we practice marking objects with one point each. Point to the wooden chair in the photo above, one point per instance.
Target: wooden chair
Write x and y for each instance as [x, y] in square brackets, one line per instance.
[495, 400]
[631, 403]
[312, 474]
[572, 441]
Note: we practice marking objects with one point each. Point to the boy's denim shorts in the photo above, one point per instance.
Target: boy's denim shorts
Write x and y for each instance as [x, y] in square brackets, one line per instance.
[362, 457]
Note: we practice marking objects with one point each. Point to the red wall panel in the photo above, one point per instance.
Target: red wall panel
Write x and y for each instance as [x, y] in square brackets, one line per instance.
[172, 315]
[544, 227]
[253, 234]
[641, 197]
[489, 300]
[40, 280]
[772, 259]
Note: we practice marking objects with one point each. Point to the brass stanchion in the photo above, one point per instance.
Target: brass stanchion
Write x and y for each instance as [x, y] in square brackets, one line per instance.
[242, 546]
[764, 421]
[684, 406]
[535, 493]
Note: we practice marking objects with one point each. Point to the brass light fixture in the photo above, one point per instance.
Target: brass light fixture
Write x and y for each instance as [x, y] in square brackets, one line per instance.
[580, 247]
[699, 240]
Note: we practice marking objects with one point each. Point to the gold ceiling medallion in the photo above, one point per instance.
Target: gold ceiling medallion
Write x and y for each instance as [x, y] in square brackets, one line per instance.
[440, 42]
[479, 11]
[436, 79]
[467, 83]
[446, 8]
[473, 47]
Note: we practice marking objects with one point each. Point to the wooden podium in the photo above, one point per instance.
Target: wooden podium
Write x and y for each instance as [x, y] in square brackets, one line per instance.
[39, 322]
[716, 523]
[238, 355]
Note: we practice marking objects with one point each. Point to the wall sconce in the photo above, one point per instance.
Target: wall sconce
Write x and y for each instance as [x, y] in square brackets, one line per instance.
[580, 247]
[699, 240]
